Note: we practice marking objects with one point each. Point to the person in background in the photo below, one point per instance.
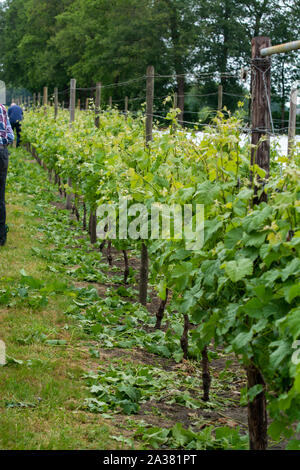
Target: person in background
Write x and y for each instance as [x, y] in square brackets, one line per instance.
[15, 114]
[6, 137]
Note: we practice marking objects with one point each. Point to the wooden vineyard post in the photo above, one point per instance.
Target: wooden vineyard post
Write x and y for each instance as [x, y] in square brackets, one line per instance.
[97, 105]
[78, 104]
[93, 226]
[126, 106]
[39, 99]
[220, 97]
[260, 155]
[87, 104]
[261, 109]
[72, 100]
[34, 100]
[175, 100]
[72, 119]
[45, 98]
[55, 102]
[93, 214]
[181, 97]
[143, 287]
[175, 106]
[149, 104]
[110, 102]
[292, 119]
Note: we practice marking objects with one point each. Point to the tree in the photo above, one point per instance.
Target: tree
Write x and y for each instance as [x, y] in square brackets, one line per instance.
[110, 47]
[181, 34]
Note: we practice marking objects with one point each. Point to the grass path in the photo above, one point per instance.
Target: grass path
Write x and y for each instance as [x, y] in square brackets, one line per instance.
[40, 399]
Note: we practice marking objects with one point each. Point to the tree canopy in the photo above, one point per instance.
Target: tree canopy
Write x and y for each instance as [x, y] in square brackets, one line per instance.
[48, 42]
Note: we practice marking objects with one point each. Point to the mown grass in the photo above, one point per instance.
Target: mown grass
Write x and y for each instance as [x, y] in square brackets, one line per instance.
[41, 399]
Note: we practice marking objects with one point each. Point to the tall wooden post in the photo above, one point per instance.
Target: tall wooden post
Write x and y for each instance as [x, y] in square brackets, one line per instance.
[97, 105]
[126, 106]
[175, 100]
[175, 106]
[45, 97]
[39, 99]
[87, 104]
[181, 96]
[220, 97]
[261, 106]
[93, 214]
[110, 102]
[34, 100]
[260, 155]
[72, 119]
[292, 118]
[55, 102]
[72, 100]
[149, 103]
[143, 287]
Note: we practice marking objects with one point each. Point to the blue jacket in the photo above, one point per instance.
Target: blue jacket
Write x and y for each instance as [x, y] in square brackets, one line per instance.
[15, 114]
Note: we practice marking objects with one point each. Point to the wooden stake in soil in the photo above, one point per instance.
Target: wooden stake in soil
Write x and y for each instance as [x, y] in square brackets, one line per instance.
[148, 137]
[109, 254]
[292, 119]
[175, 100]
[45, 98]
[84, 217]
[126, 267]
[72, 119]
[261, 126]
[161, 311]
[220, 97]
[97, 105]
[184, 341]
[144, 275]
[93, 213]
[175, 106]
[149, 103]
[206, 378]
[55, 102]
[72, 100]
[93, 227]
[181, 97]
[261, 108]
[257, 411]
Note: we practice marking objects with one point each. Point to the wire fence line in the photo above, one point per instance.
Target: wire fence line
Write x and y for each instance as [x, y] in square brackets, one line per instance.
[170, 99]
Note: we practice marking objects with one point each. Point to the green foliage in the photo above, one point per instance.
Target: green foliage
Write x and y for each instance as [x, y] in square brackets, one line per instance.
[224, 438]
[242, 287]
